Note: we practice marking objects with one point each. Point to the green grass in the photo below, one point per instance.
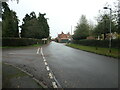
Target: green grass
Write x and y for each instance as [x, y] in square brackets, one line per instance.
[35, 45]
[98, 50]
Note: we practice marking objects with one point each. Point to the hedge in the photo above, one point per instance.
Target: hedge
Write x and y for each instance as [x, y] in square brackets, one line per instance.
[99, 43]
[20, 41]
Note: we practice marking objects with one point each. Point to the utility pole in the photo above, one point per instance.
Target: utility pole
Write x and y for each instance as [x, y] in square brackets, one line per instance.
[71, 29]
[110, 28]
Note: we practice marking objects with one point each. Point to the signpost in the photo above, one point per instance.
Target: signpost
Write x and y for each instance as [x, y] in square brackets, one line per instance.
[44, 39]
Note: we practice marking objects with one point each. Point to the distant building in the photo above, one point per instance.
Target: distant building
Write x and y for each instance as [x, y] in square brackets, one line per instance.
[64, 38]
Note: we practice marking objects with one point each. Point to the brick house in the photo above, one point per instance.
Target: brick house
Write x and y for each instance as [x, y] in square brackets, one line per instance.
[64, 38]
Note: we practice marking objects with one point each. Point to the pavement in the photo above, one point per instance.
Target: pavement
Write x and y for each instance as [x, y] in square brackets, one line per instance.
[14, 78]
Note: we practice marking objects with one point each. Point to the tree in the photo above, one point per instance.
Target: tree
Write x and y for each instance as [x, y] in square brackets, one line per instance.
[103, 26]
[118, 30]
[32, 15]
[24, 25]
[116, 14]
[91, 28]
[0, 10]
[0, 29]
[9, 22]
[82, 29]
[44, 25]
[35, 27]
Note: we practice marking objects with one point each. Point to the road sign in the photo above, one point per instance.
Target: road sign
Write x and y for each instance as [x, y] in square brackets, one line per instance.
[44, 39]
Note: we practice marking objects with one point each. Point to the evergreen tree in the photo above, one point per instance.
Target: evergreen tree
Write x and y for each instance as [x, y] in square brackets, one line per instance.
[103, 26]
[82, 29]
[35, 27]
[44, 25]
[9, 22]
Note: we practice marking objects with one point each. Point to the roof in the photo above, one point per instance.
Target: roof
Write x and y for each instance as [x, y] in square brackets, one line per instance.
[65, 36]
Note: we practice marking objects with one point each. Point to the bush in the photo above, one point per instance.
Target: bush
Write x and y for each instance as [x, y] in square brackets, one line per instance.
[20, 41]
[98, 43]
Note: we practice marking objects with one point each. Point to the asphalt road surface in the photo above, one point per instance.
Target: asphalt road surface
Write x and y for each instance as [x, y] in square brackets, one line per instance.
[79, 69]
[28, 60]
[72, 68]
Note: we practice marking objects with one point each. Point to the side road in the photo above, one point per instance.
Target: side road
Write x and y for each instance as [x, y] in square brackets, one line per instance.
[14, 78]
[30, 60]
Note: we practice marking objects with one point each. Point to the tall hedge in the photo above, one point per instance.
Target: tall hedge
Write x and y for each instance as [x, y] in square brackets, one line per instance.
[99, 43]
[20, 41]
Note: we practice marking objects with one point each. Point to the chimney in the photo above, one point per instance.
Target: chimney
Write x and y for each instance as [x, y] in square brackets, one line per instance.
[62, 33]
[68, 33]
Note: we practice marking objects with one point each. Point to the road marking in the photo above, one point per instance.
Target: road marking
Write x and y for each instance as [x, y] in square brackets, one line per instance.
[43, 57]
[44, 60]
[11, 53]
[38, 50]
[54, 85]
[57, 82]
[46, 63]
[48, 69]
[18, 86]
[21, 53]
[50, 75]
[42, 52]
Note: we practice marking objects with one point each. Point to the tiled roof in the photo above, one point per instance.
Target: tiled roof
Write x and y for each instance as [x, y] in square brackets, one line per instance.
[64, 35]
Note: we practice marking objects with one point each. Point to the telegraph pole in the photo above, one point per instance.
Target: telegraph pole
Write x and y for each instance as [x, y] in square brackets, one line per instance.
[71, 29]
[110, 28]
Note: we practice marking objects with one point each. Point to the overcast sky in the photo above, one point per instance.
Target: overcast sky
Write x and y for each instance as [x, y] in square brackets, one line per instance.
[62, 14]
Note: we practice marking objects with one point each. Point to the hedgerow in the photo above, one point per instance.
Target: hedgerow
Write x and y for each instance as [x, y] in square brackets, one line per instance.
[20, 41]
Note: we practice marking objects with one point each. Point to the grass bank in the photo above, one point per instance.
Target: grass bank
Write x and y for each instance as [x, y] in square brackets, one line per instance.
[102, 51]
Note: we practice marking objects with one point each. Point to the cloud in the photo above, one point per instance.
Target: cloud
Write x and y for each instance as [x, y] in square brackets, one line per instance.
[61, 13]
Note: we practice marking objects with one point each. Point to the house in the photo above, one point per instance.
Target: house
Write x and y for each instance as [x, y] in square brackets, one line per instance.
[64, 38]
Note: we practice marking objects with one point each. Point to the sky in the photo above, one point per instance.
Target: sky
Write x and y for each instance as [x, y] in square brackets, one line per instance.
[63, 14]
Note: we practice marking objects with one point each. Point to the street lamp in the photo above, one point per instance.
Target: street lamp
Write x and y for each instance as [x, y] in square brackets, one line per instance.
[110, 28]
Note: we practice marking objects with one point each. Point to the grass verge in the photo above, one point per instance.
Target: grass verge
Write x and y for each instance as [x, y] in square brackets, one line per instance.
[13, 77]
[102, 51]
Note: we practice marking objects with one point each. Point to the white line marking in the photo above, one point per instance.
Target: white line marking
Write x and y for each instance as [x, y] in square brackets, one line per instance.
[22, 53]
[48, 69]
[11, 53]
[57, 82]
[44, 60]
[38, 50]
[41, 49]
[50, 75]
[42, 52]
[54, 85]
[18, 86]
[43, 57]
[46, 63]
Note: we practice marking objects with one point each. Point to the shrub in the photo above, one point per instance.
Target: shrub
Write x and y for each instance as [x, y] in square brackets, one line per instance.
[20, 41]
[98, 43]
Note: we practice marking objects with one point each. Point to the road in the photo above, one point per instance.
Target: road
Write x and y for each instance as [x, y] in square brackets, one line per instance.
[28, 60]
[79, 69]
[72, 68]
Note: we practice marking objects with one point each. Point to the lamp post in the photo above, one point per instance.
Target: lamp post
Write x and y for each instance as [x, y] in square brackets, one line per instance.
[110, 28]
